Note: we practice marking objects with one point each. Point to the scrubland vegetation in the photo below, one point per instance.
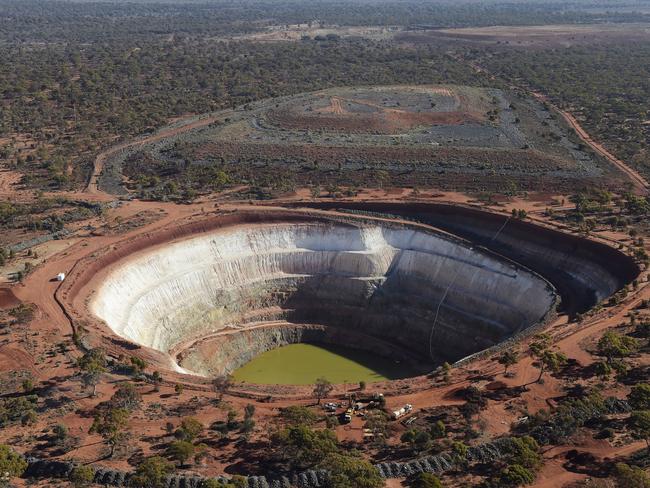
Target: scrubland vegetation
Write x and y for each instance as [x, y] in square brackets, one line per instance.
[78, 77]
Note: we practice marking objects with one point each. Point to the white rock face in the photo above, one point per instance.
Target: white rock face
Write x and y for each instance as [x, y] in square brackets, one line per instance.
[391, 283]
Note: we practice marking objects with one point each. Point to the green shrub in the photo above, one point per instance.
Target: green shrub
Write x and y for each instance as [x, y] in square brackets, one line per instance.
[12, 464]
[82, 476]
[426, 480]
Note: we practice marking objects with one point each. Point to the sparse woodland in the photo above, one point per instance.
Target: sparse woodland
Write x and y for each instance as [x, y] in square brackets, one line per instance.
[79, 76]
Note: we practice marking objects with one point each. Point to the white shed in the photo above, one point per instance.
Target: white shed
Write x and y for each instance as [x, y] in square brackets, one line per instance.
[60, 277]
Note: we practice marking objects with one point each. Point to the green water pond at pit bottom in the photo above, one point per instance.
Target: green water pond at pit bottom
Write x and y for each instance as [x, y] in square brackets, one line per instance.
[302, 364]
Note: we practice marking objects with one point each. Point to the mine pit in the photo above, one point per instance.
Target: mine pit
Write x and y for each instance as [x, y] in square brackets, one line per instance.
[215, 300]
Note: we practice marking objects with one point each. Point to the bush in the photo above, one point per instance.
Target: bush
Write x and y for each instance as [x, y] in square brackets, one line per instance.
[606, 433]
[516, 475]
[59, 433]
[189, 429]
[351, 472]
[138, 365]
[127, 396]
[16, 409]
[181, 451]
[525, 452]
[212, 483]
[297, 415]
[304, 447]
[438, 430]
[613, 345]
[82, 476]
[631, 477]
[639, 397]
[12, 464]
[426, 480]
[151, 473]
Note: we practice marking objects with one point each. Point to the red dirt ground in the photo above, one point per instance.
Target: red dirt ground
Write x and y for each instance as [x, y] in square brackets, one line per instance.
[53, 326]
[28, 348]
[387, 121]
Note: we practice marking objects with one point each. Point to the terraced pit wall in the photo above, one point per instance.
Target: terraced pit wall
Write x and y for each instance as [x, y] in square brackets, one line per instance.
[584, 271]
[400, 291]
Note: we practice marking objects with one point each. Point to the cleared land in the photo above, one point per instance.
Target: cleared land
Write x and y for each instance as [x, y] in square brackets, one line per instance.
[541, 36]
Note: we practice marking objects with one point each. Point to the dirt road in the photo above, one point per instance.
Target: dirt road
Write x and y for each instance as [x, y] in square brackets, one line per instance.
[641, 185]
[102, 157]
[639, 181]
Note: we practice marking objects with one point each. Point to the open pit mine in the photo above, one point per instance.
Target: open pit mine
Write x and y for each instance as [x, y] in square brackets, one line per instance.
[207, 297]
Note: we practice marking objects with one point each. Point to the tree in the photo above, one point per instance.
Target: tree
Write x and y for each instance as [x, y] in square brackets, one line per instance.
[181, 451]
[460, 451]
[551, 361]
[92, 365]
[221, 384]
[151, 473]
[12, 464]
[613, 345]
[640, 421]
[346, 471]
[519, 214]
[547, 360]
[298, 415]
[631, 477]
[602, 369]
[508, 358]
[111, 424]
[304, 447]
[189, 429]
[540, 344]
[426, 480]
[438, 430]
[126, 396]
[322, 388]
[418, 439]
[82, 476]
[178, 388]
[639, 397]
[525, 452]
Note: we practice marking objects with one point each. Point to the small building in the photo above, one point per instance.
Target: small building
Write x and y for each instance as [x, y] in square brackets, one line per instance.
[60, 277]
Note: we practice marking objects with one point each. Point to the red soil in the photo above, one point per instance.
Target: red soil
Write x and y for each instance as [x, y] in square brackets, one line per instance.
[386, 122]
[87, 260]
[8, 299]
